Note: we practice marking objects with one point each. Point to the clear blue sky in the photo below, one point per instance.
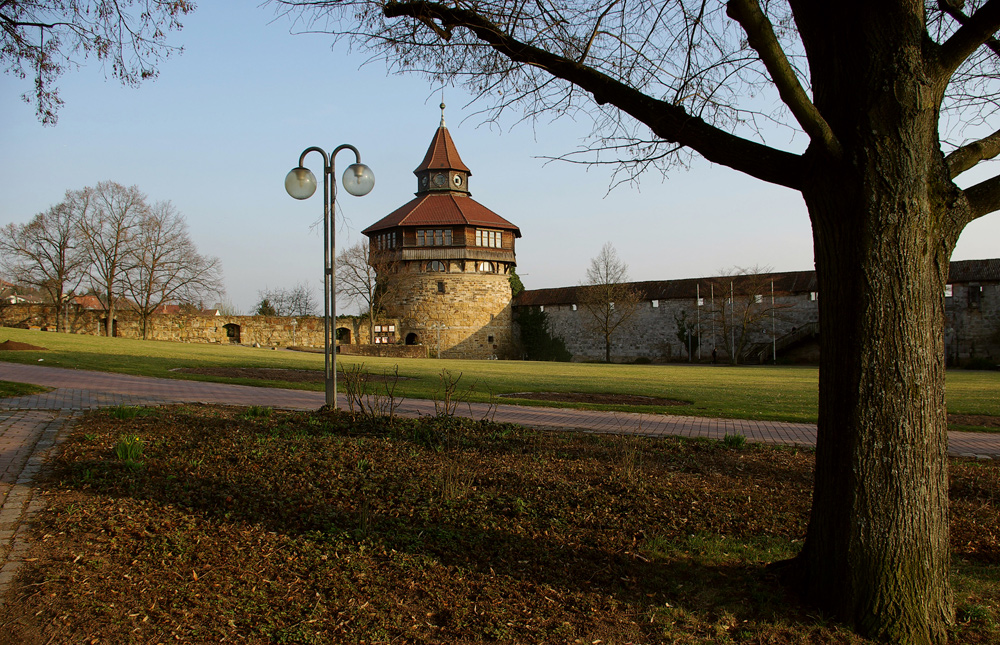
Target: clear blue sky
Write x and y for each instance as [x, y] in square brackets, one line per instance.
[225, 121]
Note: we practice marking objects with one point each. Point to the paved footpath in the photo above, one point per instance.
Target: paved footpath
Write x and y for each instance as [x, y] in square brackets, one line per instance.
[31, 426]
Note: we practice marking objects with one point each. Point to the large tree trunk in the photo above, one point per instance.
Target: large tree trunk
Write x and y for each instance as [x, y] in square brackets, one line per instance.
[877, 549]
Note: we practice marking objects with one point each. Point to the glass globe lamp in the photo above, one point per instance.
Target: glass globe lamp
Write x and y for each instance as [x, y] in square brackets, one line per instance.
[358, 179]
[300, 183]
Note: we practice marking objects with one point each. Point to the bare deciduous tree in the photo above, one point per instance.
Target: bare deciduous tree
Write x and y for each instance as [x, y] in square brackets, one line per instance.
[164, 265]
[42, 38]
[372, 279]
[894, 100]
[226, 307]
[296, 301]
[45, 254]
[688, 332]
[741, 309]
[608, 297]
[109, 214]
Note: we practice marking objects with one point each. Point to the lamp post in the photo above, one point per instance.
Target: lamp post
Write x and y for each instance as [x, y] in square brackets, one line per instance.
[301, 184]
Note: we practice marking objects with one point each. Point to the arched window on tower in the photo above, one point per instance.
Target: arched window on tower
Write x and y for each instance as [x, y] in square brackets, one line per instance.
[436, 266]
[487, 267]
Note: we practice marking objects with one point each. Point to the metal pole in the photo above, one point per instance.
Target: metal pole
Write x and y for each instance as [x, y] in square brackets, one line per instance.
[333, 277]
[333, 257]
[732, 322]
[774, 338]
[697, 304]
[329, 365]
[715, 339]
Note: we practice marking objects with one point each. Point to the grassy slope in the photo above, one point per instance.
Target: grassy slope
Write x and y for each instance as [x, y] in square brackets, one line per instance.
[780, 393]
[7, 388]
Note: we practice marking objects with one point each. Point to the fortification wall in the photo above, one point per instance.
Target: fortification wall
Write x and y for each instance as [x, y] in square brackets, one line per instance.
[267, 331]
[972, 322]
[652, 332]
[972, 328]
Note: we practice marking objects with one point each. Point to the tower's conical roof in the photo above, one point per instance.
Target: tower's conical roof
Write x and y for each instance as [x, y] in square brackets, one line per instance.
[442, 207]
[442, 153]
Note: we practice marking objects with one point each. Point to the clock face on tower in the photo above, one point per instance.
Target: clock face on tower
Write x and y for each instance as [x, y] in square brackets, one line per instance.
[440, 180]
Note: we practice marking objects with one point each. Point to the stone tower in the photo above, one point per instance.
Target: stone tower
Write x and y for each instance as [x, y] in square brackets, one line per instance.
[450, 258]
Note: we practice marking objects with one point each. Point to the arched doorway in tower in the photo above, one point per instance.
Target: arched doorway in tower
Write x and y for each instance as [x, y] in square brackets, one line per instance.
[412, 339]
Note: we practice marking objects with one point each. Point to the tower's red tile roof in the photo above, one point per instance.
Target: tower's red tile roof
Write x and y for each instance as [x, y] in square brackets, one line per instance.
[442, 209]
[442, 154]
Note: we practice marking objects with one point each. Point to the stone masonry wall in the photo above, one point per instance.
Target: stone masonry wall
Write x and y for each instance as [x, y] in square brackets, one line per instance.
[652, 332]
[972, 328]
[972, 322]
[268, 331]
[467, 314]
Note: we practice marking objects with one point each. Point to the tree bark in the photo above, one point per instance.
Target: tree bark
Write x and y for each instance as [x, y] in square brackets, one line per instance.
[877, 548]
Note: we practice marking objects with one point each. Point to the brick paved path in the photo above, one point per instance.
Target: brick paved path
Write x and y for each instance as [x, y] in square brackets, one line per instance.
[30, 427]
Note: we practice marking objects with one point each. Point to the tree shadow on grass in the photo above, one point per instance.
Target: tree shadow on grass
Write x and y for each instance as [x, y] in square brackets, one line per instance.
[656, 587]
[322, 483]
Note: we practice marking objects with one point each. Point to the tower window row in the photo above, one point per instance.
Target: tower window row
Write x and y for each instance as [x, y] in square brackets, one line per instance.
[385, 241]
[437, 237]
[434, 237]
[492, 239]
[435, 266]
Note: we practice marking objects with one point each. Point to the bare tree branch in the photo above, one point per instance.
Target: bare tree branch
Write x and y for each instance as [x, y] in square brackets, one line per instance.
[668, 121]
[109, 214]
[967, 156]
[43, 38]
[295, 301]
[372, 278]
[976, 31]
[593, 34]
[954, 9]
[984, 197]
[760, 35]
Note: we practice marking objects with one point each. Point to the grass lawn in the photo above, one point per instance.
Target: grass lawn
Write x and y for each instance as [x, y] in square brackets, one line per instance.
[7, 388]
[257, 526]
[753, 392]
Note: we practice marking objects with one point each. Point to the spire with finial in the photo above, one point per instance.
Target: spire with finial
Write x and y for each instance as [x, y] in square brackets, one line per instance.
[442, 114]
